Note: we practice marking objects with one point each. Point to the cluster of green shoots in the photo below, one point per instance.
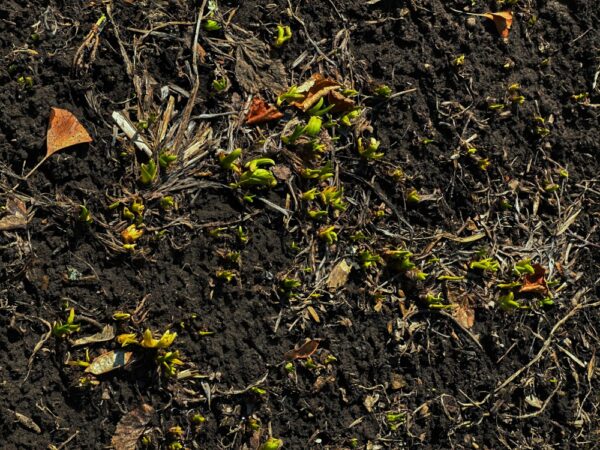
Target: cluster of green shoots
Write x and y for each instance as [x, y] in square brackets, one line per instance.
[329, 196]
[63, 329]
[507, 300]
[166, 359]
[399, 260]
[253, 173]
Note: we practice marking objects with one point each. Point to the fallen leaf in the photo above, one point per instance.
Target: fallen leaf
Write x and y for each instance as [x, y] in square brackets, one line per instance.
[339, 275]
[342, 103]
[464, 315]
[261, 112]
[315, 88]
[64, 130]
[281, 172]
[304, 351]
[110, 361]
[503, 21]
[255, 71]
[370, 401]
[107, 334]
[535, 283]
[17, 217]
[131, 427]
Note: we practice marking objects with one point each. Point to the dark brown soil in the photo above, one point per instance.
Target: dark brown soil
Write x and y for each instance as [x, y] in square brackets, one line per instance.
[381, 351]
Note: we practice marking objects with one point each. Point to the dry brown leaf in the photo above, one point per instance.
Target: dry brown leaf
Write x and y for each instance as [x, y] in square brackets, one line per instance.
[17, 217]
[464, 315]
[503, 21]
[131, 427]
[313, 314]
[110, 361]
[316, 88]
[255, 71]
[339, 275]
[342, 103]
[261, 112]
[27, 422]
[107, 334]
[304, 351]
[535, 283]
[64, 130]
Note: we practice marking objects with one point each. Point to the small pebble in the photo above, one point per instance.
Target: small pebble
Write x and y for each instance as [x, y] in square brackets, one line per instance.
[471, 22]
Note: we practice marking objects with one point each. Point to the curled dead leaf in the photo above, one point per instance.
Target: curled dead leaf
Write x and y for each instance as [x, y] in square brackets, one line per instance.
[17, 217]
[464, 315]
[302, 352]
[131, 427]
[503, 21]
[535, 283]
[261, 112]
[342, 103]
[109, 361]
[314, 89]
[107, 334]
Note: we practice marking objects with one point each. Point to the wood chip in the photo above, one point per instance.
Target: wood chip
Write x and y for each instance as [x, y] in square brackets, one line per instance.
[302, 352]
[313, 314]
[339, 275]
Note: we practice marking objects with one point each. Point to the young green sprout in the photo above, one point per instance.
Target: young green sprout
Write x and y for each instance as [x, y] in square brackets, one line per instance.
[163, 342]
[413, 197]
[319, 109]
[284, 34]
[257, 177]
[258, 162]
[219, 84]
[271, 444]
[309, 195]
[84, 215]
[242, 235]
[292, 95]
[436, 301]
[288, 285]
[60, 329]
[148, 172]
[369, 151]
[328, 234]
[507, 302]
[317, 214]
[211, 25]
[347, 118]
[333, 197]
[165, 159]
[394, 420]
[485, 264]
[227, 160]
[523, 267]
[131, 234]
[368, 259]
[225, 275]
[169, 361]
[383, 90]
[399, 260]
[311, 129]
[459, 61]
[322, 173]
[167, 202]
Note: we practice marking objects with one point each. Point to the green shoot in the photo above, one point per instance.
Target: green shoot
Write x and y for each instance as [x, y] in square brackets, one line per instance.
[148, 172]
[163, 342]
[289, 284]
[309, 195]
[507, 302]
[322, 173]
[328, 234]
[370, 151]
[459, 61]
[333, 197]
[523, 267]
[258, 162]
[242, 235]
[61, 330]
[413, 197]
[368, 259]
[271, 444]
[383, 90]
[225, 275]
[167, 202]
[347, 118]
[228, 160]
[284, 34]
[165, 159]
[319, 109]
[399, 260]
[394, 420]
[219, 84]
[311, 129]
[258, 177]
[211, 25]
[485, 264]
[168, 361]
[317, 214]
[436, 301]
[290, 96]
[84, 215]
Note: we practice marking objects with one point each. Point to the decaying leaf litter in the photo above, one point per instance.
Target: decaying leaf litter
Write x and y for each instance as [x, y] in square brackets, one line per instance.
[328, 273]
